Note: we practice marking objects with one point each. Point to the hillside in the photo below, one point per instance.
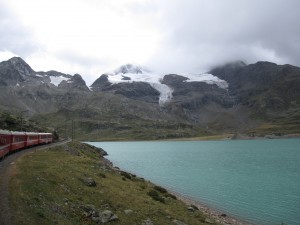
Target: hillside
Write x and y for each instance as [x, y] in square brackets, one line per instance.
[88, 190]
[135, 103]
[18, 123]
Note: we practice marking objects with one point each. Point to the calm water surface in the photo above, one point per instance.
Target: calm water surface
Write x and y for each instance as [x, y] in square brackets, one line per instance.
[257, 181]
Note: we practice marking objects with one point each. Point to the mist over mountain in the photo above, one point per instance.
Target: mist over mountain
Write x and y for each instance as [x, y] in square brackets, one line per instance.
[137, 103]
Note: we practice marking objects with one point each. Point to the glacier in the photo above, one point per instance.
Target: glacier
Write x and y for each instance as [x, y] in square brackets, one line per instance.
[151, 78]
[207, 78]
[130, 73]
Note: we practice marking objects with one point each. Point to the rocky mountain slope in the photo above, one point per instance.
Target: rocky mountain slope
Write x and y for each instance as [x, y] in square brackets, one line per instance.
[133, 102]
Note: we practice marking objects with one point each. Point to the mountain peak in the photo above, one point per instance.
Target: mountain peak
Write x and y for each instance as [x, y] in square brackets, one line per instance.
[130, 68]
[233, 65]
[238, 63]
[16, 59]
[21, 66]
[74, 83]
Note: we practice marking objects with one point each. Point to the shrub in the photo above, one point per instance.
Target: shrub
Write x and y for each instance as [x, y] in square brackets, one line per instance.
[171, 196]
[125, 174]
[160, 189]
[155, 196]
[102, 175]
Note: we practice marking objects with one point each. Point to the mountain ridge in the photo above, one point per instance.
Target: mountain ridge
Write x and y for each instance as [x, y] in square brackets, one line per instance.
[256, 99]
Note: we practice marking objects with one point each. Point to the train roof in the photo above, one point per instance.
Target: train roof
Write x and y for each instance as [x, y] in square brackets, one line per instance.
[31, 133]
[12, 132]
[5, 132]
[18, 133]
[22, 133]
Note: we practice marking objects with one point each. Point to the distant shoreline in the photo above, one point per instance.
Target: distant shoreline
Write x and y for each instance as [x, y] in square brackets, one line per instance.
[222, 137]
[235, 137]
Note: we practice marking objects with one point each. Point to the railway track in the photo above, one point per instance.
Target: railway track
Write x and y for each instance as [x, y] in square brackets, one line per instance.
[5, 172]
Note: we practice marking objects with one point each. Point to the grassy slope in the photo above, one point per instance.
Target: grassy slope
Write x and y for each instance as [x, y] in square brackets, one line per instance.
[289, 123]
[123, 129]
[104, 129]
[47, 188]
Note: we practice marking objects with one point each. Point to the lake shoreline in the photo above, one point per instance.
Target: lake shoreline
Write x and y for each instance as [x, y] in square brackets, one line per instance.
[217, 215]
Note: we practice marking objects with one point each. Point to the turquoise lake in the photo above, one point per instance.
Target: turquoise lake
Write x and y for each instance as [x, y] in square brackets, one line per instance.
[257, 181]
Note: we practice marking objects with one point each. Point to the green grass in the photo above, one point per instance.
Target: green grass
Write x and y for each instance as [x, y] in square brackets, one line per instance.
[47, 188]
[288, 123]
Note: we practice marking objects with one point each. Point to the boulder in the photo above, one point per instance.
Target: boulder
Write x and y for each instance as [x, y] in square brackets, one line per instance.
[147, 222]
[208, 221]
[128, 211]
[191, 209]
[88, 210]
[194, 207]
[89, 182]
[107, 216]
[178, 222]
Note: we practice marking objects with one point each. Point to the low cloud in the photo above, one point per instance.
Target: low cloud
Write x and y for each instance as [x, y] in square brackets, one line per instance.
[171, 36]
[15, 38]
[201, 34]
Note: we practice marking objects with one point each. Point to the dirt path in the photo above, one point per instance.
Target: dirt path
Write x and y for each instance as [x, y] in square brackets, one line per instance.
[5, 171]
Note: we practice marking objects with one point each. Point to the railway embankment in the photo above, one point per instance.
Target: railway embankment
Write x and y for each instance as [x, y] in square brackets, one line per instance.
[6, 174]
[74, 184]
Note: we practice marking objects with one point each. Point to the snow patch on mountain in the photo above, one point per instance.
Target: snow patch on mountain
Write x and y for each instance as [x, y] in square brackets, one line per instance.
[207, 78]
[56, 80]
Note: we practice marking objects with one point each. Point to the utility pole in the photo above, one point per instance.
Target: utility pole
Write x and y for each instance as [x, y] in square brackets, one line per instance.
[72, 130]
[24, 111]
[66, 129]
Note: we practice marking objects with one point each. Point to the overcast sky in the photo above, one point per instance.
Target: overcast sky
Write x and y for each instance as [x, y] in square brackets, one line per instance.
[91, 37]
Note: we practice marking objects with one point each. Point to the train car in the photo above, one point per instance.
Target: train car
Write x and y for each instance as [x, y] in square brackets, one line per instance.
[11, 141]
[5, 142]
[45, 138]
[32, 139]
[18, 141]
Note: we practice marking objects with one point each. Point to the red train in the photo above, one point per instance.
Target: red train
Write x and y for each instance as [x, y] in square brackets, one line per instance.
[11, 141]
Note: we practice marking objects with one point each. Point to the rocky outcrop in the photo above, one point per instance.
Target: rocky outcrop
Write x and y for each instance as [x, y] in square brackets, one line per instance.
[134, 90]
[195, 95]
[14, 72]
[263, 86]
[105, 216]
[137, 90]
[74, 83]
[101, 84]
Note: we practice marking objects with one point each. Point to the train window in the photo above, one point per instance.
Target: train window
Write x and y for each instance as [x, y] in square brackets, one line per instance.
[33, 137]
[3, 141]
[19, 138]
